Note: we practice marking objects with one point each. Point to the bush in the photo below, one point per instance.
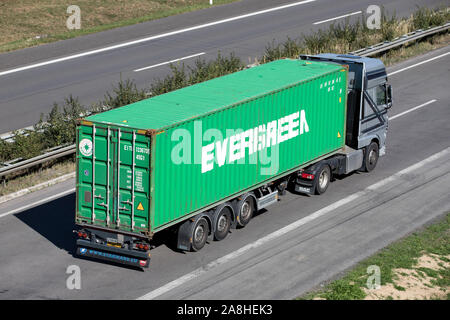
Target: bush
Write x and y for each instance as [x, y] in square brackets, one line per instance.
[126, 92]
[182, 76]
[425, 18]
[58, 129]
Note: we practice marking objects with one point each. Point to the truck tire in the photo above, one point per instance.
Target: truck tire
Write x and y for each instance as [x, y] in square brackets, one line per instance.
[199, 234]
[371, 157]
[222, 223]
[244, 210]
[323, 179]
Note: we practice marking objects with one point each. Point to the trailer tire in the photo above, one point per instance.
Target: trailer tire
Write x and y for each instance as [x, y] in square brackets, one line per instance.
[323, 179]
[222, 223]
[371, 157]
[244, 210]
[199, 234]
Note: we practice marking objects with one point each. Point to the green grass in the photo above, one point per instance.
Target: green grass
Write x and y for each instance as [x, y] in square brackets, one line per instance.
[23, 21]
[434, 239]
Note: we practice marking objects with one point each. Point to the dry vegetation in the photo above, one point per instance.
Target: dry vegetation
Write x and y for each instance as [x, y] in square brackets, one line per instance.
[36, 177]
[345, 37]
[415, 49]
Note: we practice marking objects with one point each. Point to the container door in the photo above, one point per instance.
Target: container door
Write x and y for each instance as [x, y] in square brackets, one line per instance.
[109, 160]
[130, 180]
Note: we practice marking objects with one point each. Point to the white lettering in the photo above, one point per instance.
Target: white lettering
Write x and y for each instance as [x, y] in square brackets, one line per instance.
[303, 124]
[207, 157]
[255, 139]
[221, 151]
[235, 148]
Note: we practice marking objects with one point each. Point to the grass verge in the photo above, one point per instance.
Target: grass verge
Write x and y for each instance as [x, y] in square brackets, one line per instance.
[416, 267]
[29, 23]
[415, 49]
[37, 176]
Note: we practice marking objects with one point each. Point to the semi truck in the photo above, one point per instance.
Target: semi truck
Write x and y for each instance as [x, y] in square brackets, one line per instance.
[203, 159]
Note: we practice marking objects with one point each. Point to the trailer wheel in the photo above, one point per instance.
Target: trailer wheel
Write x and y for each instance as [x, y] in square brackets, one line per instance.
[245, 210]
[323, 179]
[199, 234]
[371, 158]
[223, 224]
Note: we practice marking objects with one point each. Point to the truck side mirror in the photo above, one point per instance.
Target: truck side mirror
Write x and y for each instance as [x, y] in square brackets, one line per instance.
[388, 96]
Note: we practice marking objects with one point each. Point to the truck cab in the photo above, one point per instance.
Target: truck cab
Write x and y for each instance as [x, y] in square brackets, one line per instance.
[369, 97]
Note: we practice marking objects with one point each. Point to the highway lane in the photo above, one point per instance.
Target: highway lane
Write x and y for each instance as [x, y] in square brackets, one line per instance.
[37, 246]
[24, 95]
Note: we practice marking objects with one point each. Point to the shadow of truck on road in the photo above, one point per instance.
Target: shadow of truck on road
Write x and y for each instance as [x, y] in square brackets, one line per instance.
[53, 220]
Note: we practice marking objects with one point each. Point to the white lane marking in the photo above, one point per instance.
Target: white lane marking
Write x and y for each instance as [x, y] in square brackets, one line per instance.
[171, 61]
[409, 169]
[329, 209]
[340, 17]
[194, 274]
[418, 64]
[29, 206]
[412, 109]
[155, 37]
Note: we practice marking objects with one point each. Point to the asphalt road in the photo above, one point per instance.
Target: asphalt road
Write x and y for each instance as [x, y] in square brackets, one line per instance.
[25, 94]
[297, 243]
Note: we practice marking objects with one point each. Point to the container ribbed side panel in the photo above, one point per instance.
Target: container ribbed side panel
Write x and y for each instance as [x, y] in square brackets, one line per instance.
[180, 188]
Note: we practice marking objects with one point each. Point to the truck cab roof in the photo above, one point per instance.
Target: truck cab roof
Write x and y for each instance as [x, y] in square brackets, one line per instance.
[369, 71]
[370, 64]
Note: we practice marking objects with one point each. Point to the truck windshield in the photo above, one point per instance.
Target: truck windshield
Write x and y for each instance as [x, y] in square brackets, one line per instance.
[378, 94]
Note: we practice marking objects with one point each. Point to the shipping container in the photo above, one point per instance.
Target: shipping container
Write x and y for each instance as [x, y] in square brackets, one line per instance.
[154, 163]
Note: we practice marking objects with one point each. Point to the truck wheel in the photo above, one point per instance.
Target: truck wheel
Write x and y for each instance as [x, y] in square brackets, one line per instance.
[245, 209]
[323, 179]
[371, 158]
[223, 224]
[200, 234]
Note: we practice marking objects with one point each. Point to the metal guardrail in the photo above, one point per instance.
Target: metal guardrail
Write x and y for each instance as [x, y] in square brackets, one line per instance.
[25, 164]
[400, 41]
[62, 151]
[9, 136]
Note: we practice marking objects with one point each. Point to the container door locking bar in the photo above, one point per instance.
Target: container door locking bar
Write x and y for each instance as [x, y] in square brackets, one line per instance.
[108, 160]
[118, 178]
[132, 180]
[93, 174]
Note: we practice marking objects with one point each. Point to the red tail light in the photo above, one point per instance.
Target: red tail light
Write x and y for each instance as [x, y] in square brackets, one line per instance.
[82, 234]
[307, 176]
[142, 246]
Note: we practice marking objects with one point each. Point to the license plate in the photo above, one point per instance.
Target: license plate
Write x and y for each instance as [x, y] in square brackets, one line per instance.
[302, 189]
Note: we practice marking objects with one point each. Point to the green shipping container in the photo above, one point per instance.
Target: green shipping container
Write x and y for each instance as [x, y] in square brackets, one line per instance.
[154, 163]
